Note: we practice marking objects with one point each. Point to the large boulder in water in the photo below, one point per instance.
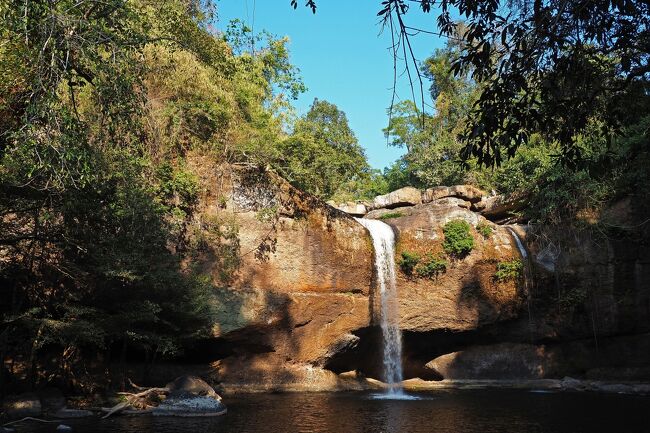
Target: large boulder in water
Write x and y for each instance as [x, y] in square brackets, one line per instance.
[190, 396]
[191, 386]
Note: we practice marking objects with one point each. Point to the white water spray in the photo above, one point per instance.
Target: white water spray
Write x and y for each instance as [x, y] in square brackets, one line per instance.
[383, 240]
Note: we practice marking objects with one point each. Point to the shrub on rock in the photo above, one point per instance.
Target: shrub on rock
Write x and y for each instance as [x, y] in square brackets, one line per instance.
[459, 242]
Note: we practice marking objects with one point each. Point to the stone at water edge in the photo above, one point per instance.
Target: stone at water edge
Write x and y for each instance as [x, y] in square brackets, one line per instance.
[190, 396]
[191, 385]
[23, 405]
[63, 428]
[190, 407]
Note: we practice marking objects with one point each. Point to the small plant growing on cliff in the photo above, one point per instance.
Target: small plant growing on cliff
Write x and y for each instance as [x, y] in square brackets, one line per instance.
[507, 271]
[458, 239]
[572, 298]
[484, 229]
[432, 267]
[408, 262]
[391, 215]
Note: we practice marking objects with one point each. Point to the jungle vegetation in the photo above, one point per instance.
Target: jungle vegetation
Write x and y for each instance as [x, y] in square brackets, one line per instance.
[104, 105]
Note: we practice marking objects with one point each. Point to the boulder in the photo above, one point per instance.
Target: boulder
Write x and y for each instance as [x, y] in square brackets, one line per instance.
[353, 208]
[503, 361]
[191, 386]
[190, 396]
[23, 405]
[465, 192]
[407, 196]
[202, 406]
[500, 206]
[453, 201]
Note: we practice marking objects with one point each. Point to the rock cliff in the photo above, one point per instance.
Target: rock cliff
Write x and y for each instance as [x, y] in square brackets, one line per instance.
[297, 304]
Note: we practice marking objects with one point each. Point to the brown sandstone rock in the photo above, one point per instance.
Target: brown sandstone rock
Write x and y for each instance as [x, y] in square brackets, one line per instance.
[499, 361]
[353, 208]
[465, 192]
[265, 234]
[499, 207]
[466, 296]
[407, 196]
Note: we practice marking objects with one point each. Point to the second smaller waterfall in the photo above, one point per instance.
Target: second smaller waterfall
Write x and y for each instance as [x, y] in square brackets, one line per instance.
[383, 240]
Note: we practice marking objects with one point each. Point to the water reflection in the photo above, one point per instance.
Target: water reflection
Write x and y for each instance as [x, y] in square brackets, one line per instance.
[444, 411]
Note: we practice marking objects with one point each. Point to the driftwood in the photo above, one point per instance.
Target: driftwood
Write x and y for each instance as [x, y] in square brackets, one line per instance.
[143, 401]
[127, 411]
[29, 418]
[124, 407]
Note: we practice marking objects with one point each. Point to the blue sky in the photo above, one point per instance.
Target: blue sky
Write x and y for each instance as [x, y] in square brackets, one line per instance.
[342, 58]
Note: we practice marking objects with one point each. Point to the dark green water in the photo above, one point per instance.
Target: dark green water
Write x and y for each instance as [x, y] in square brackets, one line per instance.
[488, 411]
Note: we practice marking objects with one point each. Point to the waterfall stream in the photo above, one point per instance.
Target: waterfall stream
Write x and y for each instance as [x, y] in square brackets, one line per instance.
[520, 244]
[383, 240]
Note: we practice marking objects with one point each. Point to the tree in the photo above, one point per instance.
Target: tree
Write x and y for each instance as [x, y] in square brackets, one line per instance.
[547, 66]
[322, 153]
[431, 140]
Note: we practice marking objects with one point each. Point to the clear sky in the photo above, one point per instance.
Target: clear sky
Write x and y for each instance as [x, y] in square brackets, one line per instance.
[342, 58]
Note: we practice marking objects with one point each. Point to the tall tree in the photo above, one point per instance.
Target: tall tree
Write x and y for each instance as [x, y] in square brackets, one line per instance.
[547, 66]
[322, 153]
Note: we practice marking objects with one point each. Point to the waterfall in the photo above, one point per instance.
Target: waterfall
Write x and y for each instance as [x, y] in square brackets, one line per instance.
[520, 245]
[383, 240]
[527, 277]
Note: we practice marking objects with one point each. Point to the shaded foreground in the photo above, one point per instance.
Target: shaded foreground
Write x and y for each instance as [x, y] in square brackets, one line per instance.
[484, 411]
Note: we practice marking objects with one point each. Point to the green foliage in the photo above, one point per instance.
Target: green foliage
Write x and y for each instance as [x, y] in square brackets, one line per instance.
[391, 215]
[572, 298]
[431, 267]
[458, 239]
[322, 153]
[533, 77]
[408, 262]
[104, 107]
[366, 185]
[484, 229]
[508, 271]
